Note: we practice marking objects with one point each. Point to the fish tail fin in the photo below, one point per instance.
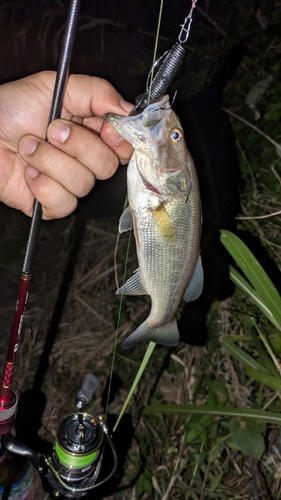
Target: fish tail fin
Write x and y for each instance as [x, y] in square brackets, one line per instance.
[165, 335]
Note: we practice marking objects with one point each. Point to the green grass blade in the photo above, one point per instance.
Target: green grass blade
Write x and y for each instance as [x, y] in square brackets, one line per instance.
[146, 358]
[264, 357]
[272, 360]
[273, 315]
[250, 266]
[264, 378]
[254, 272]
[262, 415]
[242, 355]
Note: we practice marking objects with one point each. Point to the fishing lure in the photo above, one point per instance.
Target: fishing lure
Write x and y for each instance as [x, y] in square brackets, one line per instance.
[170, 62]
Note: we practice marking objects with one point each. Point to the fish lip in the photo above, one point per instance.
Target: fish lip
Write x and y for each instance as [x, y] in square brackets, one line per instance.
[137, 129]
[125, 126]
[126, 129]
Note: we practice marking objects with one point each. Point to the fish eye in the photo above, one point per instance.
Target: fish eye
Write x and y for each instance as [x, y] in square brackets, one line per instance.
[176, 134]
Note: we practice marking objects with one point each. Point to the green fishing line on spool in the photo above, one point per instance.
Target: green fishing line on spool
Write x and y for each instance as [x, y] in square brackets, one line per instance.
[73, 460]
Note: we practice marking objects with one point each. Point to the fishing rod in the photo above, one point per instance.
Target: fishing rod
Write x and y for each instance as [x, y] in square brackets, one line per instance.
[73, 468]
[8, 399]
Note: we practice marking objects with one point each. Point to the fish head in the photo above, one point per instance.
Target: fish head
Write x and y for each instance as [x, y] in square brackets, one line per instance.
[157, 134]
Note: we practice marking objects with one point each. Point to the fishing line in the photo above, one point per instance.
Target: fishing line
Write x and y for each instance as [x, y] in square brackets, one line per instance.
[120, 306]
[155, 48]
[118, 323]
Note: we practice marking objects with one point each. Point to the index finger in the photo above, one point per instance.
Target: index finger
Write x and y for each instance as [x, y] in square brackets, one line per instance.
[89, 95]
[86, 96]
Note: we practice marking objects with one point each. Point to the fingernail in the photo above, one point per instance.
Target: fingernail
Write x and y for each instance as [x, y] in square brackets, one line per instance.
[114, 137]
[60, 132]
[31, 172]
[28, 146]
[126, 105]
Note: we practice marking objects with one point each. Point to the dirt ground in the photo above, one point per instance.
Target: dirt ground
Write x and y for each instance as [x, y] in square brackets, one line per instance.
[71, 312]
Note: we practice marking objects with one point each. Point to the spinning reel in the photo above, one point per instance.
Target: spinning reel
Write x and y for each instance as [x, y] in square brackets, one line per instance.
[75, 463]
[74, 466]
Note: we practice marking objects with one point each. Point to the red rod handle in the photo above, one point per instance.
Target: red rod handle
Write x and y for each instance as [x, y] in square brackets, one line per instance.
[5, 390]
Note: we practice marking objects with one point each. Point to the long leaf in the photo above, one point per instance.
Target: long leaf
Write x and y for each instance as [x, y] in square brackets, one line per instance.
[264, 378]
[250, 266]
[146, 358]
[267, 361]
[254, 272]
[242, 355]
[272, 360]
[265, 416]
[255, 296]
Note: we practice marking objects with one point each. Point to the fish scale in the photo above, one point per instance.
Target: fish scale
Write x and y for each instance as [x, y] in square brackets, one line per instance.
[165, 213]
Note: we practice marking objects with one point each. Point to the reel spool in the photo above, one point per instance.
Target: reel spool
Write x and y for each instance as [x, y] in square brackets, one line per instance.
[77, 448]
[74, 466]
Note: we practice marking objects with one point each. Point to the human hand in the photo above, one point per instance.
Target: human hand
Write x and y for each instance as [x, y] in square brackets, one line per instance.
[82, 146]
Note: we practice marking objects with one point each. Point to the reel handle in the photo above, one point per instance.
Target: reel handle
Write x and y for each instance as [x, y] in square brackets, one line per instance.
[85, 393]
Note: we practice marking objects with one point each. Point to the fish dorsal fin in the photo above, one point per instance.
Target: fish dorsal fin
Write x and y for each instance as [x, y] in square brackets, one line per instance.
[126, 221]
[164, 222]
[133, 286]
[195, 286]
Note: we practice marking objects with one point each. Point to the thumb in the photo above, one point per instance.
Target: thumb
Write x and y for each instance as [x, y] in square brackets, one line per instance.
[115, 141]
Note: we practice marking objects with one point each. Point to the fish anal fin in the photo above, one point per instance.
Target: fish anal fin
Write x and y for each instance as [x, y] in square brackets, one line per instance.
[195, 286]
[167, 335]
[133, 286]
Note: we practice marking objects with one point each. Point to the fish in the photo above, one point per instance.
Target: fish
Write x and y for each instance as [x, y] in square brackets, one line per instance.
[164, 211]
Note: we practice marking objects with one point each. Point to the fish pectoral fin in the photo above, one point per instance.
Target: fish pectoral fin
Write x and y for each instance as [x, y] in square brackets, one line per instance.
[195, 286]
[125, 221]
[133, 286]
[164, 334]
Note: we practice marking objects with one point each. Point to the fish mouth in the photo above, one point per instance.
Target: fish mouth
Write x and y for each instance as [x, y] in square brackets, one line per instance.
[145, 128]
[129, 128]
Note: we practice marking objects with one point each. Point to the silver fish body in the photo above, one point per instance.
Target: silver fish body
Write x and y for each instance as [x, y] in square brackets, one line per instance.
[165, 213]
